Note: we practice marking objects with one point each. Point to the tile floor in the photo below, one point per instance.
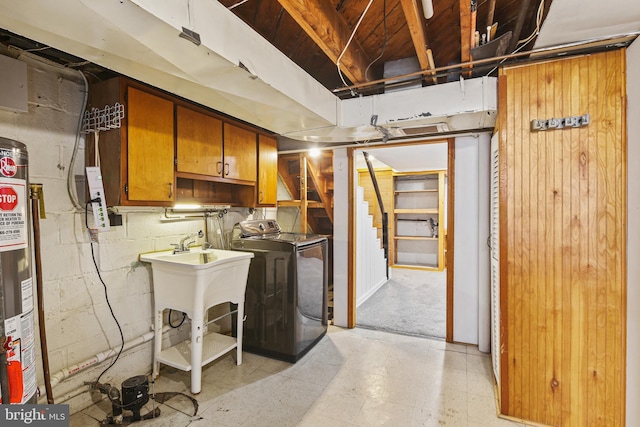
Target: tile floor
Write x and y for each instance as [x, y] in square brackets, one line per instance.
[352, 377]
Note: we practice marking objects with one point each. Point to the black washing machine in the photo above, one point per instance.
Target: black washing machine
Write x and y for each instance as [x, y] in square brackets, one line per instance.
[287, 297]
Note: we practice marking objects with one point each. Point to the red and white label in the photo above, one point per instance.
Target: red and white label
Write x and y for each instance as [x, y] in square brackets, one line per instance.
[8, 167]
[8, 199]
[13, 214]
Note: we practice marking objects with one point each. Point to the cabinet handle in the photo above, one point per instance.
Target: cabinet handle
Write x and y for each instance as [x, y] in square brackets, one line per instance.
[170, 189]
[226, 165]
[219, 168]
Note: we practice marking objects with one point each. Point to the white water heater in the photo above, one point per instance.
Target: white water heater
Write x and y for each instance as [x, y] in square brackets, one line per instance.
[17, 315]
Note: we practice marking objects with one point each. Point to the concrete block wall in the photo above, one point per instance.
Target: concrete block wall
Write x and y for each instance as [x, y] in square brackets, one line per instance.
[79, 324]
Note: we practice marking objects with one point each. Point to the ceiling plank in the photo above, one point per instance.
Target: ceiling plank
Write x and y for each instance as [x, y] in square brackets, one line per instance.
[415, 21]
[328, 30]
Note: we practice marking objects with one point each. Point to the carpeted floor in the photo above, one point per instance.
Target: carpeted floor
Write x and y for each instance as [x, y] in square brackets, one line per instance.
[412, 302]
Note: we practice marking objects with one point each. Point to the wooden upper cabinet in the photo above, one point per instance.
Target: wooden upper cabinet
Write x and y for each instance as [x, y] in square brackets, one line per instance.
[198, 142]
[149, 147]
[136, 159]
[240, 157]
[267, 170]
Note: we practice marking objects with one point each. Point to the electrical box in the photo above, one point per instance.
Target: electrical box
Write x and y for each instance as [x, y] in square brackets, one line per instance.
[13, 85]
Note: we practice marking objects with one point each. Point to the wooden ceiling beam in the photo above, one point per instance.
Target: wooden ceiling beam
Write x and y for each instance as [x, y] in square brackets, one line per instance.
[465, 30]
[415, 22]
[327, 29]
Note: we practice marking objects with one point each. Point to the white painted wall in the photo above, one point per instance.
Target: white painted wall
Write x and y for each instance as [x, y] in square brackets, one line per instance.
[484, 253]
[633, 235]
[466, 226]
[371, 265]
[78, 321]
[340, 237]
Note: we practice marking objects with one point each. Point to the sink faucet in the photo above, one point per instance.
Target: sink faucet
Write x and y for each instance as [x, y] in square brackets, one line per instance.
[184, 247]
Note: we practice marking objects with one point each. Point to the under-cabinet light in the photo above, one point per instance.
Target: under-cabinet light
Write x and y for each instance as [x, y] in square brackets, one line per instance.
[186, 207]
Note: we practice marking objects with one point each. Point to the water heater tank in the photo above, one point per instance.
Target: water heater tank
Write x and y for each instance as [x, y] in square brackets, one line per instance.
[17, 315]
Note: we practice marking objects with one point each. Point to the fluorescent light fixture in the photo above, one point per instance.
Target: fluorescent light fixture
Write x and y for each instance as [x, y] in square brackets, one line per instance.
[186, 207]
[427, 7]
[314, 152]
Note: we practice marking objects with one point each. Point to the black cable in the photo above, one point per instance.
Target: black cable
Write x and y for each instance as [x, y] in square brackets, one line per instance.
[184, 316]
[106, 296]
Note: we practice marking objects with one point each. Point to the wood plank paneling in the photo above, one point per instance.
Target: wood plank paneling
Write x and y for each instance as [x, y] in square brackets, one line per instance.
[562, 240]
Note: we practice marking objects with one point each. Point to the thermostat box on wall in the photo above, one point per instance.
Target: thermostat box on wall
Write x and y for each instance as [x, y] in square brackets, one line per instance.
[13, 85]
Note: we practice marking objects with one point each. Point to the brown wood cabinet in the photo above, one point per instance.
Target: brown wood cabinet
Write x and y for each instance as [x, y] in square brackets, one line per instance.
[198, 142]
[171, 151]
[239, 159]
[137, 160]
[267, 171]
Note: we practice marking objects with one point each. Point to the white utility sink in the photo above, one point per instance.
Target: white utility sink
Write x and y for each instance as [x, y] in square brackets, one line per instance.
[193, 282]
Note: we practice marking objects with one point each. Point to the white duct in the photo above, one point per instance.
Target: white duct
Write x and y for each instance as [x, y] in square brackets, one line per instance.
[464, 105]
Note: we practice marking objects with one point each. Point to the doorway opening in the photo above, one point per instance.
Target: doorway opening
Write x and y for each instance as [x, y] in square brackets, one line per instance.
[413, 185]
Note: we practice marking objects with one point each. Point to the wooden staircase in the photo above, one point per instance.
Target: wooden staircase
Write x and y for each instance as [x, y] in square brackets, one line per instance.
[310, 181]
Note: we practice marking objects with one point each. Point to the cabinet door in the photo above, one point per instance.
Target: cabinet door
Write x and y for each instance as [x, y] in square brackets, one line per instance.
[198, 142]
[240, 158]
[267, 170]
[149, 147]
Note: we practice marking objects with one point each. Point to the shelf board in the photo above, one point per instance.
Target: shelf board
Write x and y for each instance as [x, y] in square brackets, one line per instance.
[417, 266]
[179, 356]
[416, 211]
[415, 238]
[433, 190]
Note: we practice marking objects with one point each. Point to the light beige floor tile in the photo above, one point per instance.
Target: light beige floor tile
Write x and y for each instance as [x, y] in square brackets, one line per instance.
[429, 417]
[376, 413]
[479, 363]
[482, 410]
[480, 384]
[338, 406]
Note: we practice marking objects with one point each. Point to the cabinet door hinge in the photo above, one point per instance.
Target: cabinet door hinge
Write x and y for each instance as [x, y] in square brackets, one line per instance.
[175, 161]
[126, 189]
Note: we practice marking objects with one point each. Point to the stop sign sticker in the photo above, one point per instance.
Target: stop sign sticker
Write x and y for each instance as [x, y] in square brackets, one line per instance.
[8, 199]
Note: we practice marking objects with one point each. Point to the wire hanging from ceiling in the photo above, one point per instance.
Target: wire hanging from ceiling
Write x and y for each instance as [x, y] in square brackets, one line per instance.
[353, 33]
[384, 43]
[535, 32]
[237, 4]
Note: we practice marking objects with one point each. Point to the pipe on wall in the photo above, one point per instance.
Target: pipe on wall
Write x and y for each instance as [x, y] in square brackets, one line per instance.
[97, 359]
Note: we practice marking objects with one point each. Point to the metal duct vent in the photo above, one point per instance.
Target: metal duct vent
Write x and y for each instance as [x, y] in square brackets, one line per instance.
[422, 130]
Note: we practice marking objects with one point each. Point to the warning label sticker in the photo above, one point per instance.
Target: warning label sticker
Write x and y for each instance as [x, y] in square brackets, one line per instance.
[13, 214]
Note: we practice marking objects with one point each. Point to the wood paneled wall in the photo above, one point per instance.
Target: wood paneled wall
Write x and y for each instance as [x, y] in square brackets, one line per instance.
[562, 240]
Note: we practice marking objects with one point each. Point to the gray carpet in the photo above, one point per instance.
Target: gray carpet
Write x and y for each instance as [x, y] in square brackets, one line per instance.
[412, 302]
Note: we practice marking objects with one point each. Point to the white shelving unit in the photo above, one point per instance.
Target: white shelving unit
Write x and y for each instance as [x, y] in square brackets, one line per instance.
[418, 216]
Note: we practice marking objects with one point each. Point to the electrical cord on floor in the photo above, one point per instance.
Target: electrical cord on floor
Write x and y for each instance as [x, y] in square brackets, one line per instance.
[106, 296]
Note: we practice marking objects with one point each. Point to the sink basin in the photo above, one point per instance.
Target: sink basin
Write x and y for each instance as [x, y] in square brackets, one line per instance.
[196, 258]
[193, 282]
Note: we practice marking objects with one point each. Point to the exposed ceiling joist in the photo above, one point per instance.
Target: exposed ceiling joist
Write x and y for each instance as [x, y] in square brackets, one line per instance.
[415, 22]
[328, 30]
[465, 31]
